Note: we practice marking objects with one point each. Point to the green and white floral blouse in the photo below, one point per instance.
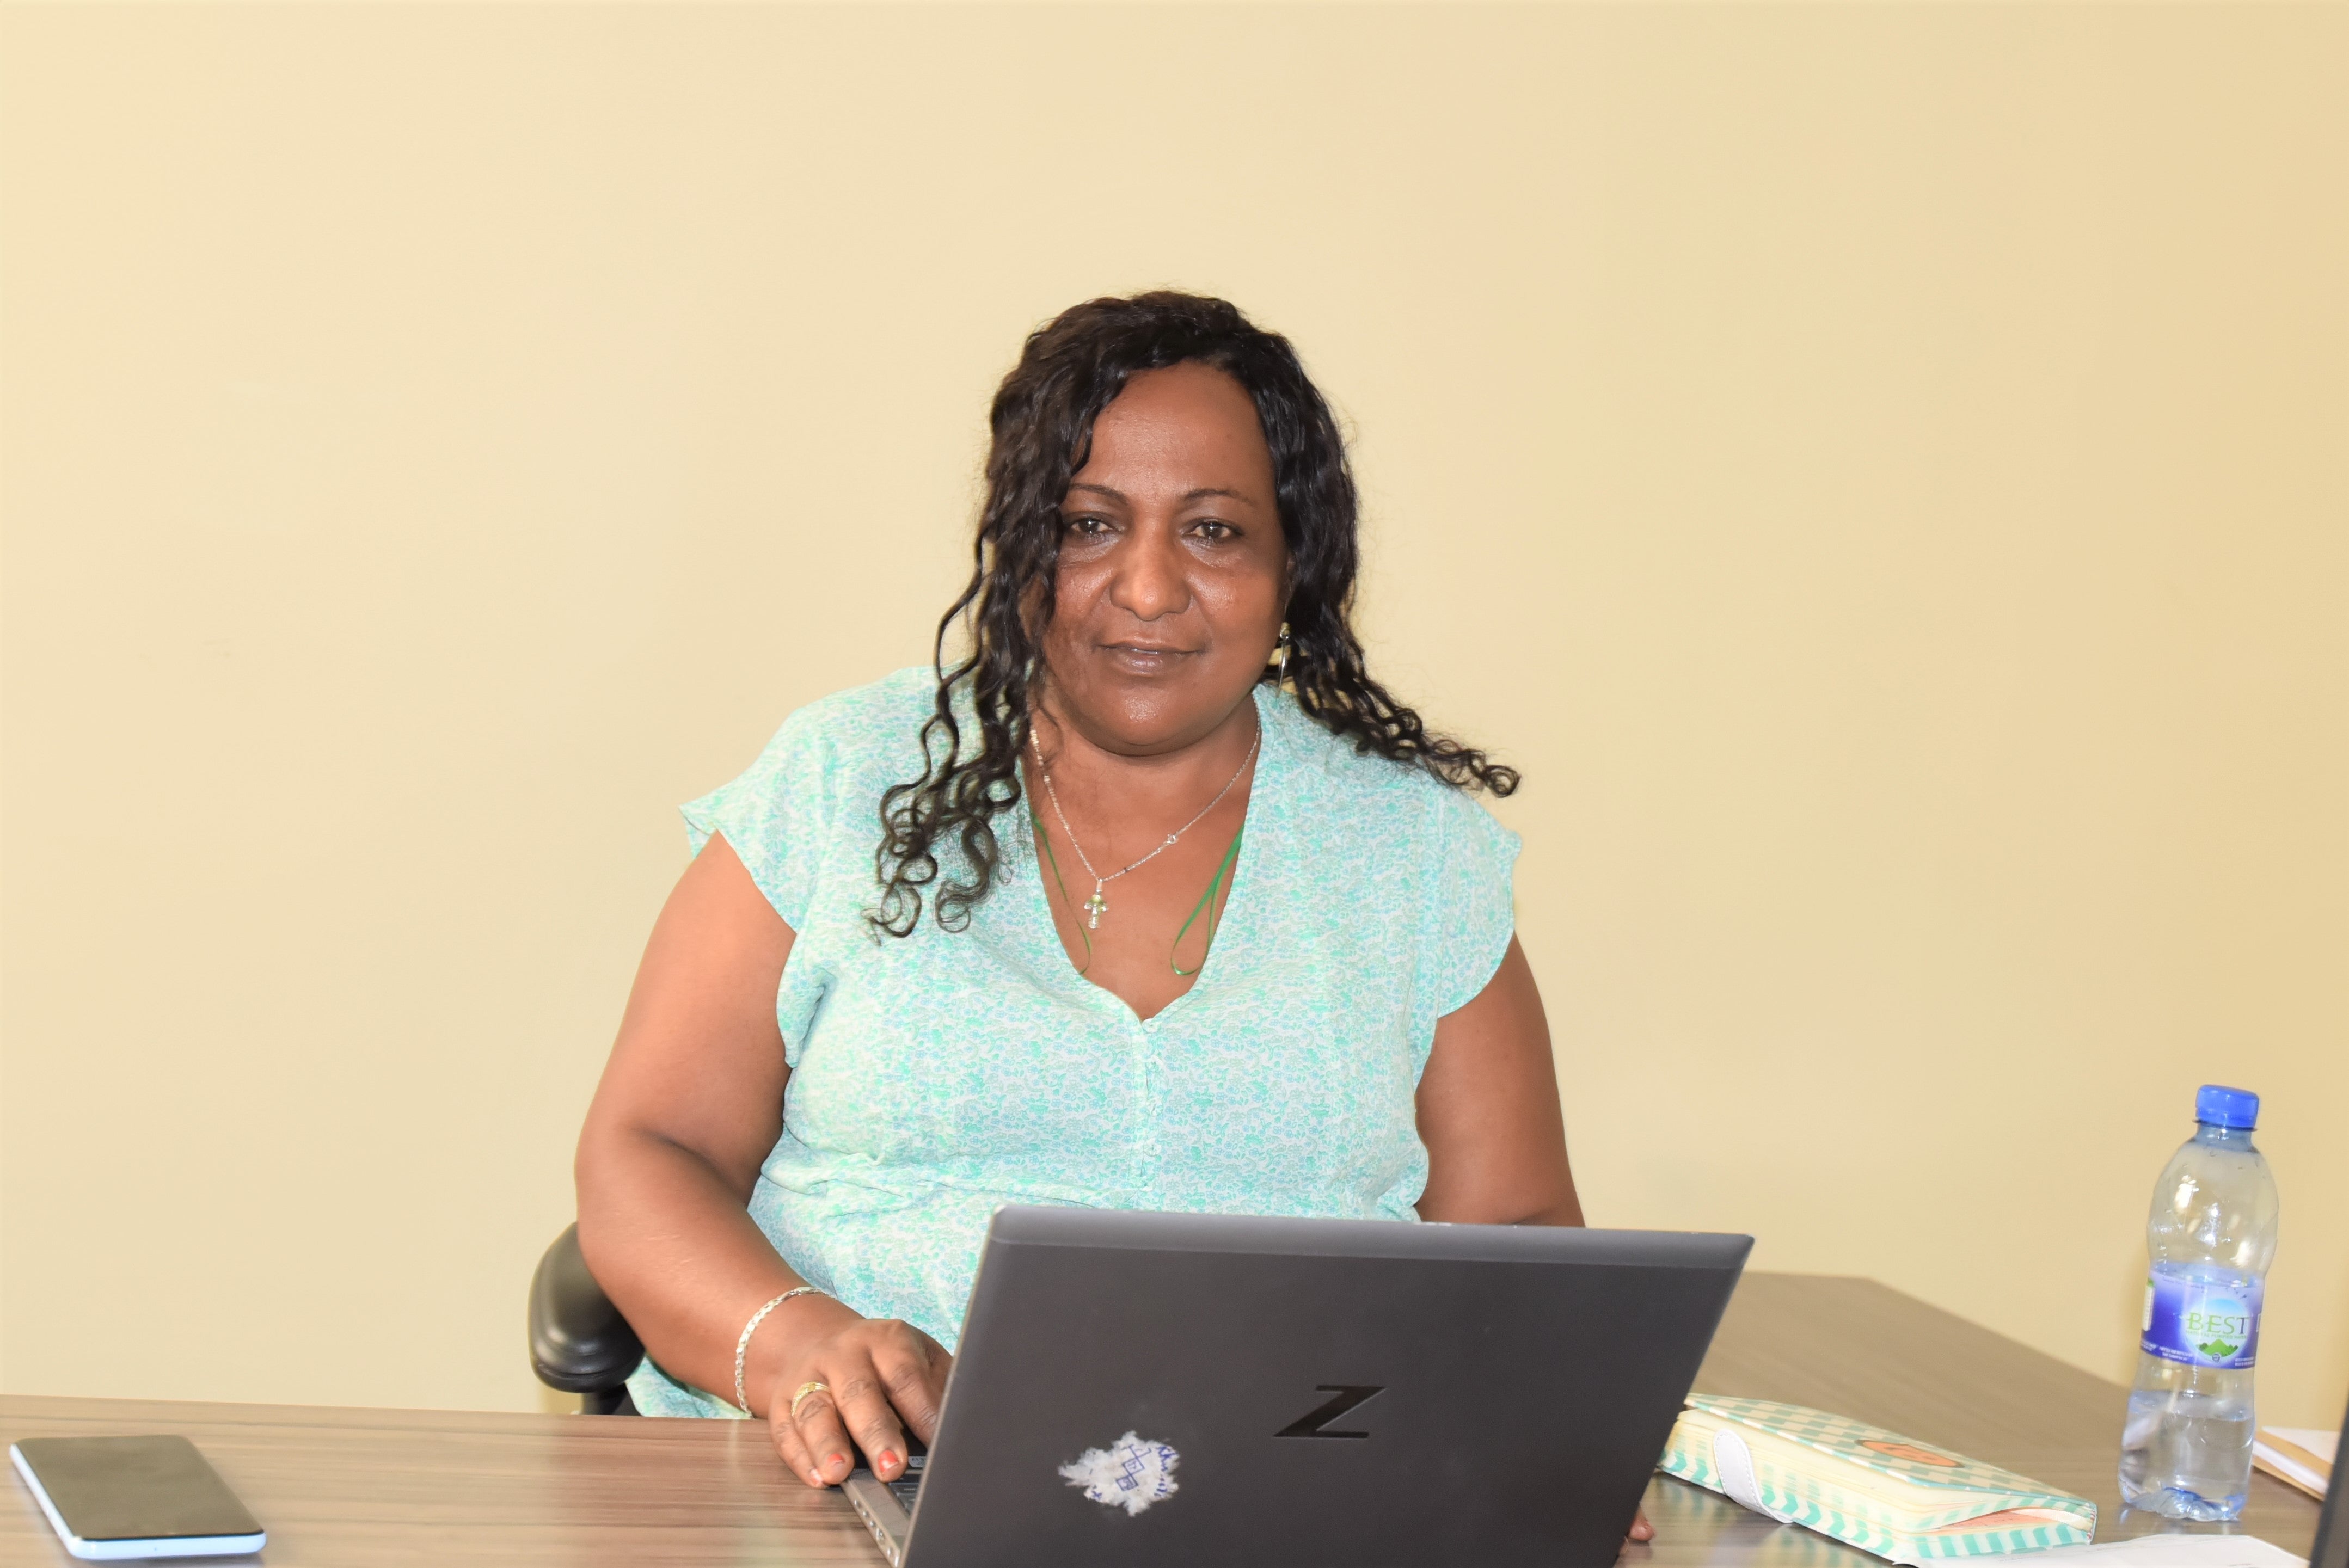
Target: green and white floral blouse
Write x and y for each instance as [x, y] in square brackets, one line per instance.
[937, 1076]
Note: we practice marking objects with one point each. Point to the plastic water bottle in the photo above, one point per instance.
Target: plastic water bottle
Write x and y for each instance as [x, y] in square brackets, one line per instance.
[2186, 1450]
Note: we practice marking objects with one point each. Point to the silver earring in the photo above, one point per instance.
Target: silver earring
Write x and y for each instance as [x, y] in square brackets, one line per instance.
[1281, 648]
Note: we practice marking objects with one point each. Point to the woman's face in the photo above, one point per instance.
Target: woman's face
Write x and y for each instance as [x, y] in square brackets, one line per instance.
[1173, 572]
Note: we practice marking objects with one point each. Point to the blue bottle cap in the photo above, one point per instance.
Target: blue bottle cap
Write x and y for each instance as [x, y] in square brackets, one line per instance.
[2222, 1107]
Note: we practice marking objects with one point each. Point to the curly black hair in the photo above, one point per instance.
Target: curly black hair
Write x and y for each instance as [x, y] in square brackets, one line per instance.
[1042, 422]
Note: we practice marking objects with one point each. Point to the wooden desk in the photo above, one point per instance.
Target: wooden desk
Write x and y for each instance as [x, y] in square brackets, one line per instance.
[353, 1489]
[1864, 1350]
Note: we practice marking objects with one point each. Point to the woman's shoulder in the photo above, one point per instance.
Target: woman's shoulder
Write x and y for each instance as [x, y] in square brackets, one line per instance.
[846, 734]
[1392, 836]
[1349, 778]
[807, 801]
[884, 715]
[836, 745]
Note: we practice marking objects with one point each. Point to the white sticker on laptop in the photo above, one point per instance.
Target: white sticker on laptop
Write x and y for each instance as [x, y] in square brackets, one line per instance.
[1131, 1474]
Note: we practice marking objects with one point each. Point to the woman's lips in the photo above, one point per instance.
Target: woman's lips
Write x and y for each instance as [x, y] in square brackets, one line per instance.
[1143, 659]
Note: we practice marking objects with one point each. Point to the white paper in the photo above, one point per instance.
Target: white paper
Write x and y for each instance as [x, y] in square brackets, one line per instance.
[2175, 1551]
[2321, 1444]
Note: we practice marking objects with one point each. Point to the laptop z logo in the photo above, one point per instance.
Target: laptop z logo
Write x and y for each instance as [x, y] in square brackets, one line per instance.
[1315, 1423]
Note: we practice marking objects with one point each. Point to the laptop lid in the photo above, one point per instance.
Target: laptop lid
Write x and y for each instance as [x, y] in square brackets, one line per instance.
[1142, 1390]
[2332, 1548]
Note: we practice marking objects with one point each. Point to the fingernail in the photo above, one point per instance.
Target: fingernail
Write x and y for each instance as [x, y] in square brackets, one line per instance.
[816, 1477]
[888, 1456]
[831, 1459]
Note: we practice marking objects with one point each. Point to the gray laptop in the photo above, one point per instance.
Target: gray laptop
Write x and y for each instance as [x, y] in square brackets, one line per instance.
[1144, 1390]
[2332, 1548]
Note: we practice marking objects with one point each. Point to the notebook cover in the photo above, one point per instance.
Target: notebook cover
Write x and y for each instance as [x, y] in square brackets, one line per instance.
[1874, 1488]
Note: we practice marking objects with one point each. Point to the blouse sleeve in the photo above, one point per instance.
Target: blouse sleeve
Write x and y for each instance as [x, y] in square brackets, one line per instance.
[1475, 913]
[775, 816]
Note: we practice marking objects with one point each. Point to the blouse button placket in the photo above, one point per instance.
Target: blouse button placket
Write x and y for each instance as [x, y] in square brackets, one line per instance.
[1152, 1077]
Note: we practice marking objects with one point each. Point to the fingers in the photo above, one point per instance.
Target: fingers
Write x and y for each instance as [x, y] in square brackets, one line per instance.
[1640, 1529]
[872, 1422]
[879, 1379]
[810, 1439]
[790, 1445]
[911, 1366]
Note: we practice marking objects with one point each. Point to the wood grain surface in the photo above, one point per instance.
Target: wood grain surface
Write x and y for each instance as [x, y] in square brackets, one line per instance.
[1864, 1350]
[356, 1489]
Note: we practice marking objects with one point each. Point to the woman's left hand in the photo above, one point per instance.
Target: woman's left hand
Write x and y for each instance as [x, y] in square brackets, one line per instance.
[1641, 1530]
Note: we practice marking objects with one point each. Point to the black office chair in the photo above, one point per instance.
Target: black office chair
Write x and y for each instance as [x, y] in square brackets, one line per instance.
[579, 1342]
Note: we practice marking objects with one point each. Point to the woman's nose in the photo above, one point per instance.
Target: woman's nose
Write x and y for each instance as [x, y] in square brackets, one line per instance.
[1150, 581]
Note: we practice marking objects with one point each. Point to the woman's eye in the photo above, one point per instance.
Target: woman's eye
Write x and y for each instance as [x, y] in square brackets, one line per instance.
[1216, 533]
[1089, 527]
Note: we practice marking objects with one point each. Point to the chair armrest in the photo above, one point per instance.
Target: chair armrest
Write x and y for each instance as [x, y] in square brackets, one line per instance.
[579, 1342]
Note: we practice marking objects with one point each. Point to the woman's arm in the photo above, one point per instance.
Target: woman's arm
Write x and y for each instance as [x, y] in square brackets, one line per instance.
[1488, 1111]
[691, 1103]
[1489, 1115]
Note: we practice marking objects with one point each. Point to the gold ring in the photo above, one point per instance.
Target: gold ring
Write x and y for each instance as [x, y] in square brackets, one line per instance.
[802, 1393]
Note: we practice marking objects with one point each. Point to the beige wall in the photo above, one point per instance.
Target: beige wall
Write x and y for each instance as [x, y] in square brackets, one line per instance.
[1879, 470]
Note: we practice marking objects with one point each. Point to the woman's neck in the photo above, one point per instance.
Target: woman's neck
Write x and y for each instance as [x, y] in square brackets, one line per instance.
[1098, 778]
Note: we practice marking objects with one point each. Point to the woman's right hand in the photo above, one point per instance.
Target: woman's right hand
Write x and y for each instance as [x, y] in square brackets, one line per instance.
[881, 1377]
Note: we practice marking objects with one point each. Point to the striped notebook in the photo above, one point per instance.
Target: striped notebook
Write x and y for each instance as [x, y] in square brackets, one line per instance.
[1872, 1489]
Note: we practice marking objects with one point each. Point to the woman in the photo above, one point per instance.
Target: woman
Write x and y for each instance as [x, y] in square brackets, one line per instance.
[1155, 900]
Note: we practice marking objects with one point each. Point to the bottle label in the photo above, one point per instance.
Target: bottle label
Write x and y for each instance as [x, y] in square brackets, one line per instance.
[2199, 1324]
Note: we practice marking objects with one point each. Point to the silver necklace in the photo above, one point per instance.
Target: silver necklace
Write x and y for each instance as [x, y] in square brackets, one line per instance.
[1097, 905]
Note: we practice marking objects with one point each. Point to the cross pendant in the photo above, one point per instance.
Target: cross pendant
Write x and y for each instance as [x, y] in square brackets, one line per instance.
[1095, 906]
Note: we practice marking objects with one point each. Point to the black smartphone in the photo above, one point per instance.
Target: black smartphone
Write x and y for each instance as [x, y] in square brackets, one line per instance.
[117, 1498]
